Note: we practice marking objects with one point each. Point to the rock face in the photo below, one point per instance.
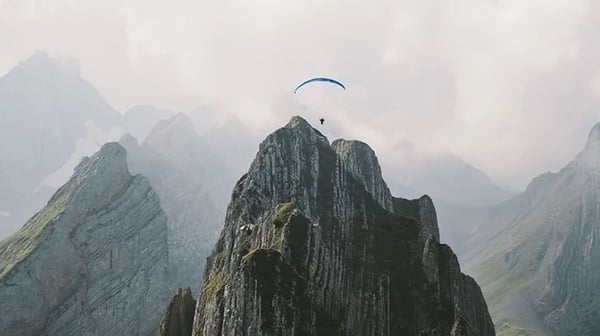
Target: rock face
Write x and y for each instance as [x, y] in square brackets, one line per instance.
[537, 256]
[314, 244]
[191, 181]
[93, 261]
[180, 315]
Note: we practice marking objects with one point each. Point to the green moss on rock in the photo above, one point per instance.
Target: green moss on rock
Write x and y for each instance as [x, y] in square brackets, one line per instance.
[21, 244]
[283, 211]
[213, 285]
[212, 292]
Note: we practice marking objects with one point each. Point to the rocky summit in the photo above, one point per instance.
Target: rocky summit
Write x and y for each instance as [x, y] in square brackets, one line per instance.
[315, 244]
[93, 261]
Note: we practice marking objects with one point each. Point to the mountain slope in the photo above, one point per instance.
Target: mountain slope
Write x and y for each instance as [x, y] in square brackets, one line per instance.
[93, 261]
[190, 180]
[45, 106]
[314, 244]
[445, 177]
[537, 256]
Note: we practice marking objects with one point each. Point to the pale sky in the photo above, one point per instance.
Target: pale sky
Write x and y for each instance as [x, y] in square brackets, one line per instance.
[510, 86]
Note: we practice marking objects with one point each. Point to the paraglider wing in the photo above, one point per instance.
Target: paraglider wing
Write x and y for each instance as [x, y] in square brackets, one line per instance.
[320, 79]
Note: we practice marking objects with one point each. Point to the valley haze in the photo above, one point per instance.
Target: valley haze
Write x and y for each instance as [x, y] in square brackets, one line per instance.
[159, 175]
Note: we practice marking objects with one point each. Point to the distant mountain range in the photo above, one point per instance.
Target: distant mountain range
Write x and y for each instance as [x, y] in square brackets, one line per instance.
[44, 108]
[194, 184]
[537, 255]
[447, 178]
[51, 117]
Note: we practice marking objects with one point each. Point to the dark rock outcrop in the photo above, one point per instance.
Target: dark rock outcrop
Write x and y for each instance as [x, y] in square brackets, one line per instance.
[93, 261]
[179, 318]
[314, 244]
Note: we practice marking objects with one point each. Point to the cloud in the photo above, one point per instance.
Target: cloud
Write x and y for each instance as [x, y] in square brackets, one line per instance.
[509, 86]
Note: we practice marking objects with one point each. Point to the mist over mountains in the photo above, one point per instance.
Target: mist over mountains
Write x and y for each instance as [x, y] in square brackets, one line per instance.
[534, 254]
[45, 108]
[446, 177]
[51, 117]
[192, 181]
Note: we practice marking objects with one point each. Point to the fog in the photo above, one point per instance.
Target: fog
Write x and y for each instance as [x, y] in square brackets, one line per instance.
[511, 87]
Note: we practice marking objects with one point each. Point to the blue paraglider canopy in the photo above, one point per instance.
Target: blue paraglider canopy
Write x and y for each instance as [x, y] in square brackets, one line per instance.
[320, 79]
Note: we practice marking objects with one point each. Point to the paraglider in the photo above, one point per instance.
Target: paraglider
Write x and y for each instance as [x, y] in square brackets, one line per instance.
[322, 120]
[320, 79]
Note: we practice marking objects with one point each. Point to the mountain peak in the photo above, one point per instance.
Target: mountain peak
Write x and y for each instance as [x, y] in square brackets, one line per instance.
[40, 55]
[313, 245]
[104, 173]
[96, 180]
[81, 261]
[590, 156]
[179, 128]
[41, 63]
[362, 162]
[296, 121]
[128, 141]
[180, 121]
[111, 155]
[593, 141]
[302, 127]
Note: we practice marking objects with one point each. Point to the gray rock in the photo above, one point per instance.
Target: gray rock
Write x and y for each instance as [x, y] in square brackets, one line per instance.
[314, 244]
[179, 318]
[44, 104]
[360, 160]
[537, 255]
[190, 180]
[93, 261]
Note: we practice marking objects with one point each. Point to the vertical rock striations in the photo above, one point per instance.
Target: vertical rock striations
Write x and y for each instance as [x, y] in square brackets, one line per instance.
[361, 162]
[180, 315]
[93, 261]
[314, 244]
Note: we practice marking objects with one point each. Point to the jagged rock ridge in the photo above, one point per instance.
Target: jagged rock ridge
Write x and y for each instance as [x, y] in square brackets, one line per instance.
[314, 244]
[93, 261]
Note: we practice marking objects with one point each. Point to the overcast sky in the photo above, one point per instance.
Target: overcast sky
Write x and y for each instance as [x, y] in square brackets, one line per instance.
[511, 86]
